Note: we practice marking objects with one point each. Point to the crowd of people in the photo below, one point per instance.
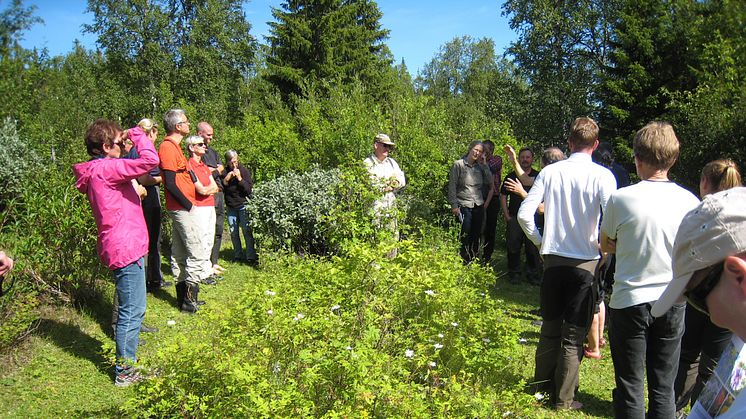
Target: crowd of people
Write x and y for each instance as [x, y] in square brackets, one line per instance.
[122, 182]
[580, 223]
[584, 229]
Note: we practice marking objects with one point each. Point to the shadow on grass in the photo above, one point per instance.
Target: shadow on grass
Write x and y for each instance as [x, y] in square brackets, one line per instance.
[592, 405]
[76, 342]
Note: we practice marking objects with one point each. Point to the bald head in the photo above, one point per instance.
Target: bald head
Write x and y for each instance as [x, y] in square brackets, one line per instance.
[205, 131]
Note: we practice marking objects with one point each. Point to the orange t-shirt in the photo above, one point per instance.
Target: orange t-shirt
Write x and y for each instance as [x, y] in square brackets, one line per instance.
[172, 158]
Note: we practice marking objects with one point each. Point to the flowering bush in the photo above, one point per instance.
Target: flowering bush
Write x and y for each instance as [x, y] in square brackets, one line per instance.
[364, 335]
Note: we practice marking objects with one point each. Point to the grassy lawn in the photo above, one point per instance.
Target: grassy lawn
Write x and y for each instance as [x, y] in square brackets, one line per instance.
[63, 369]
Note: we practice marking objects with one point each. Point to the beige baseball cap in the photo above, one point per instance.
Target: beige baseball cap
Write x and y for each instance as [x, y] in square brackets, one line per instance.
[707, 235]
[384, 139]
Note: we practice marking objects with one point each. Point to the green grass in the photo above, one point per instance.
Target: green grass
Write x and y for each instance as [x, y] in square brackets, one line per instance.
[64, 368]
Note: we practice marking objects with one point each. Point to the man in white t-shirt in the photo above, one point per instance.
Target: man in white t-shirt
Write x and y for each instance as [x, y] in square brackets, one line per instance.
[574, 192]
[709, 269]
[639, 225]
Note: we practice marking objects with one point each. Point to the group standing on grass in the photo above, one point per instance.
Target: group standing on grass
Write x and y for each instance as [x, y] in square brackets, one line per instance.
[569, 217]
[121, 181]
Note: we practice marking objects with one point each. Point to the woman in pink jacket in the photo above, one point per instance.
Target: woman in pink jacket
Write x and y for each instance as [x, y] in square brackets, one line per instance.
[122, 233]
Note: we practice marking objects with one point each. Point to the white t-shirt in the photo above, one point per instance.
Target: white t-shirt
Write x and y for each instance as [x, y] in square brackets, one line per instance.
[643, 219]
[722, 397]
[574, 192]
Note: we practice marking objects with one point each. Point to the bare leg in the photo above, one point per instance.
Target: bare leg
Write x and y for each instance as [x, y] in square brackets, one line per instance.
[592, 350]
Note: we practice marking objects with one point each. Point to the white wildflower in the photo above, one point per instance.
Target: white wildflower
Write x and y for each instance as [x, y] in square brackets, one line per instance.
[522, 340]
[539, 396]
[270, 293]
[349, 348]
[335, 307]
[430, 293]
[440, 335]
[454, 324]
[508, 413]
[486, 340]
[298, 317]
[438, 346]
[270, 312]
[408, 353]
[432, 364]
[171, 322]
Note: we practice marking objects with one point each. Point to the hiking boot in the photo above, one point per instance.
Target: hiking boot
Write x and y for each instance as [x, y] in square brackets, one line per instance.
[190, 304]
[151, 288]
[180, 291]
[209, 281]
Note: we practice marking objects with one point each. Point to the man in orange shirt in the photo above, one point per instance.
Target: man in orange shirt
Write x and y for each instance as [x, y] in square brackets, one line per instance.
[180, 197]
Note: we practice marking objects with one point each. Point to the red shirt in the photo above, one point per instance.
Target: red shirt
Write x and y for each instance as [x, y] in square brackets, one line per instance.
[204, 175]
[172, 158]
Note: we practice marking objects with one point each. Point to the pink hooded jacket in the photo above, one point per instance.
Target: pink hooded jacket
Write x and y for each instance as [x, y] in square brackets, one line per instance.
[122, 233]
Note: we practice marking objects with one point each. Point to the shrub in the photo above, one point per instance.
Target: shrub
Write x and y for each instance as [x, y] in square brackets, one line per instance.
[414, 336]
[18, 162]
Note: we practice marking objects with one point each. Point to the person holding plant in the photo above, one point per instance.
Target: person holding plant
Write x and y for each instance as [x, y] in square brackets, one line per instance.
[389, 179]
[469, 177]
[237, 186]
[122, 233]
[703, 341]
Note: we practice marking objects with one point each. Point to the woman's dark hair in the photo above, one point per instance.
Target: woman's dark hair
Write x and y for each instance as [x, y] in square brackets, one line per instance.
[99, 133]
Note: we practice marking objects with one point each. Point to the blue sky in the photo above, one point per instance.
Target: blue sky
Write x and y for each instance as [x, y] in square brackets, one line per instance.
[418, 27]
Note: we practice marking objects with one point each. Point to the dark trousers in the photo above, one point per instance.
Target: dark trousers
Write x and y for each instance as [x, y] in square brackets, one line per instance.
[490, 228]
[566, 308]
[471, 230]
[219, 221]
[701, 336]
[643, 345]
[151, 211]
[516, 242]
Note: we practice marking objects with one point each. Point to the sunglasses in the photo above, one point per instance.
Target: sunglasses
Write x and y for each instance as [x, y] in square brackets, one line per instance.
[387, 146]
[199, 144]
[697, 296]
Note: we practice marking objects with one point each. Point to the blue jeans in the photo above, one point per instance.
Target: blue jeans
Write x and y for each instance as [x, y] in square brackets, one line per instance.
[643, 345]
[239, 219]
[130, 283]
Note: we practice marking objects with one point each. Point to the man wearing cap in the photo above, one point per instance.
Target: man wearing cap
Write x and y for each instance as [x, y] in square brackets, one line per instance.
[574, 192]
[639, 226]
[388, 177]
[709, 270]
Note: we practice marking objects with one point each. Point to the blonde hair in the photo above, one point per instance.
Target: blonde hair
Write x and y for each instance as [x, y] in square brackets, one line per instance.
[147, 125]
[583, 132]
[721, 174]
[656, 144]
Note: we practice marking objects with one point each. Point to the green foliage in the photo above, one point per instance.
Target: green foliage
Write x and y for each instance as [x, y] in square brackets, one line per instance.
[333, 338]
[17, 162]
[289, 211]
[314, 44]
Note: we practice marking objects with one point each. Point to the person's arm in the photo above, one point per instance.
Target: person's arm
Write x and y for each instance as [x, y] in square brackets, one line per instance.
[528, 209]
[452, 194]
[399, 181]
[141, 192]
[515, 187]
[6, 263]
[520, 173]
[125, 170]
[490, 195]
[607, 245]
[149, 180]
[504, 206]
[169, 182]
[245, 182]
[608, 237]
[210, 189]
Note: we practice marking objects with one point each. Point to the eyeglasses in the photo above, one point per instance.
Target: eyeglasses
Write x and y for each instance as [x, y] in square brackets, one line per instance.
[697, 296]
[387, 146]
[119, 143]
[199, 144]
[182, 122]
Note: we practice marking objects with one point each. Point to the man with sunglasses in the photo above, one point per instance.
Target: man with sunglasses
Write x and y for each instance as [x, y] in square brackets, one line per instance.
[639, 226]
[389, 178]
[709, 269]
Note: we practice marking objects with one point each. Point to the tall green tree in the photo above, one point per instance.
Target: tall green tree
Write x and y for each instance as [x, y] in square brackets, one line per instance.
[314, 43]
[561, 49]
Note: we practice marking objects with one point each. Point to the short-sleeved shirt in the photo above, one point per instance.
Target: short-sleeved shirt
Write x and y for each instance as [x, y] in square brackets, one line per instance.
[173, 159]
[203, 173]
[514, 200]
[212, 160]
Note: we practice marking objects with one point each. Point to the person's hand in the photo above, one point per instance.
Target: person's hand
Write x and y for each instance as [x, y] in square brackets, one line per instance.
[6, 263]
[507, 216]
[456, 212]
[510, 152]
[125, 134]
[515, 187]
[237, 174]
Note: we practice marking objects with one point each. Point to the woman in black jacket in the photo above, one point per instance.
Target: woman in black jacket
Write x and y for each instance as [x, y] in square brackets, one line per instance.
[237, 190]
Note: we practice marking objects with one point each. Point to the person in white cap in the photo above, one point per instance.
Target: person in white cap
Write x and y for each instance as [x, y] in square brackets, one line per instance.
[389, 178]
[709, 267]
[639, 225]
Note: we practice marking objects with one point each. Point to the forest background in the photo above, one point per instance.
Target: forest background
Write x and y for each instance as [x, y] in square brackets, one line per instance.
[312, 97]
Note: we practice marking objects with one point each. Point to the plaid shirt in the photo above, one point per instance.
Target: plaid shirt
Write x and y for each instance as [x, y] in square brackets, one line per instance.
[495, 163]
